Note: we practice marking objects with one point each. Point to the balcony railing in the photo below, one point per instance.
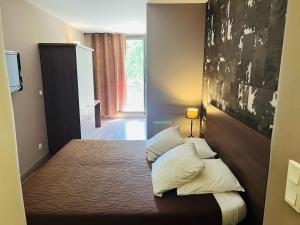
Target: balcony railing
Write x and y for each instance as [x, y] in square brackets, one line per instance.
[134, 95]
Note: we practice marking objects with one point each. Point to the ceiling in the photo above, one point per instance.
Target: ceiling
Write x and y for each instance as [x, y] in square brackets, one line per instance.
[122, 16]
[113, 16]
[176, 1]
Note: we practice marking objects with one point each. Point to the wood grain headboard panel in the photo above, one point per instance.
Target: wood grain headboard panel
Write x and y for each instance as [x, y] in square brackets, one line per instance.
[247, 154]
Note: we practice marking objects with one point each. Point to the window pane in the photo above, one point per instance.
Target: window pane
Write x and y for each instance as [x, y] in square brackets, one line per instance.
[135, 75]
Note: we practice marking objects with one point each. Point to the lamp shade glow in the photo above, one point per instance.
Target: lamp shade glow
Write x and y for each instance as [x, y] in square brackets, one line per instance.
[192, 113]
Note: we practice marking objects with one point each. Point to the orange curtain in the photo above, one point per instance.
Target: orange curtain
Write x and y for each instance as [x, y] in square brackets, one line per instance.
[109, 71]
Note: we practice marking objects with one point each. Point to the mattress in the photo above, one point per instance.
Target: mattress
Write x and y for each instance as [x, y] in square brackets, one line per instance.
[109, 183]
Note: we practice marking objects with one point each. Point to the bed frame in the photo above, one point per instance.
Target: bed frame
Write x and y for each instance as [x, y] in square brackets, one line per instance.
[247, 154]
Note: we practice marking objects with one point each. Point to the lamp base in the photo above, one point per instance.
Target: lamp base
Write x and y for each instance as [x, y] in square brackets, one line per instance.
[191, 136]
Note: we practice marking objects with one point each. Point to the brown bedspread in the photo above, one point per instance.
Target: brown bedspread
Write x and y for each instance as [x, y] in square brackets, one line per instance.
[108, 183]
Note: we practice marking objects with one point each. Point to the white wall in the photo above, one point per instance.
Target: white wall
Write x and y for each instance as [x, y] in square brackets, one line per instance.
[175, 51]
[24, 26]
[11, 202]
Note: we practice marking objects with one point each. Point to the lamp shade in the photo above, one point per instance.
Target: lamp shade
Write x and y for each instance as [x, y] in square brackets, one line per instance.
[192, 113]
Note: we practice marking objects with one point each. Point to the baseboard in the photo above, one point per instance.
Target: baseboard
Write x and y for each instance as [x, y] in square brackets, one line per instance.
[34, 166]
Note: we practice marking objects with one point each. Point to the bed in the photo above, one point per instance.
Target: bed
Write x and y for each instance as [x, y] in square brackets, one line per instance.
[109, 183]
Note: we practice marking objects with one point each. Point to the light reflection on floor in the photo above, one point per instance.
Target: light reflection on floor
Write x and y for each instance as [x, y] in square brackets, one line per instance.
[120, 129]
[135, 130]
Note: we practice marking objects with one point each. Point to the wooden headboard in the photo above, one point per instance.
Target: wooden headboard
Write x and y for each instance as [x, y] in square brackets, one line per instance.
[247, 154]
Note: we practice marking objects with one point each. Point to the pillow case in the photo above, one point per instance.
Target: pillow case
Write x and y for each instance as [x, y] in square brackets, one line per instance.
[216, 177]
[202, 148]
[174, 168]
[163, 142]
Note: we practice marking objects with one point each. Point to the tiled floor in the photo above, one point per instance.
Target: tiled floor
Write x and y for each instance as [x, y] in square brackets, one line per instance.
[120, 129]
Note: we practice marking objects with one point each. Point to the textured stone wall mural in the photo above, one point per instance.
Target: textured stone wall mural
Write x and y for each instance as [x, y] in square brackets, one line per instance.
[242, 58]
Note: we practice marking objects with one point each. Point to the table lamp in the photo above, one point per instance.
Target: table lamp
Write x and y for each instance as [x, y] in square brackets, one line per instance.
[192, 113]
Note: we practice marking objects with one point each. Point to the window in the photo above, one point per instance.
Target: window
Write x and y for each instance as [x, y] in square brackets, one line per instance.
[135, 90]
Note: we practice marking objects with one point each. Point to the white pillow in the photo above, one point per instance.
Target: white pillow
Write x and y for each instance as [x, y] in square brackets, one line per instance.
[216, 177]
[203, 149]
[175, 168]
[163, 142]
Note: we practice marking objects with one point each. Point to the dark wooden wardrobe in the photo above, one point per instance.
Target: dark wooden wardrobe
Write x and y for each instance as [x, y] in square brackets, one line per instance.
[67, 72]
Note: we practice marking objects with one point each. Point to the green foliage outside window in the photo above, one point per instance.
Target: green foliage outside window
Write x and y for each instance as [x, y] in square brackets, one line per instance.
[135, 58]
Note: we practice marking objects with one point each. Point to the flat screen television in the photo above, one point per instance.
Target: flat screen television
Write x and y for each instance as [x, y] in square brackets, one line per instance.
[14, 71]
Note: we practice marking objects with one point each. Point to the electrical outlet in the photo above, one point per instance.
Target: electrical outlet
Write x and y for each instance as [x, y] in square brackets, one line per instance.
[40, 92]
[292, 192]
[40, 146]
